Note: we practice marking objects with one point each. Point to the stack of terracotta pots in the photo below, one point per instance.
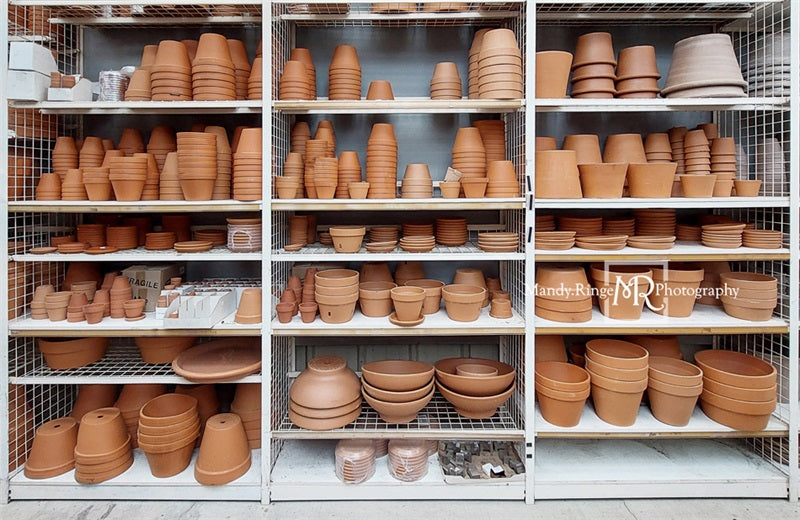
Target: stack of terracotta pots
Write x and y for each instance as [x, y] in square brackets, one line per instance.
[103, 446]
[290, 184]
[75, 307]
[171, 73]
[336, 294]
[38, 308]
[471, 276]
[326, 175]
[349, 172]
[48, 187]
[247, 166]
[92, 152]
[130, 402]
[500, 66]
[122, 237]
[561, 390]
[707, 60]
[241, 64]
[315, 149]
[593, 66]
[304, 56]
[417, 182]
[476, 387]
[169, 426]
[622, 289]
[557, 175]
[197, 164]
[672, 389]
[128, 176]
[381, 169]
[151, 181]
[56, 305]
[463, 302]
[169, 187]
[355, 460]
[675, 289]
[723, 165]
[224, 451]
[326, 395]
[619, 377]
[148, 57]
[344, 74]
[64, 156]
[255, 84]
[408, 459]
[474, 63]
[469, 154]
[72, 187]
[53, 449]
[139, 88]
[563, 294]
[637, 73]
[493, 135]
[213, 72]
[502, 179]
[299, 134]
[397, 389]
[222, 185]
[445, 83]
[661, 222]
[294, 82]
[749, 296]
[93, 396]
[120, 292]
[552, 74]
[162, 141]
[739, 390]
[207, 402]
[247, 405]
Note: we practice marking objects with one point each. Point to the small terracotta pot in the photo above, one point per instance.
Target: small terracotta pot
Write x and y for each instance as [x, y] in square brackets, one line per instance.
[698, 186]
[134, 308]
[747, 188]
[408, 302]
[380, 90]
[249, 310]
[224, 451]
[450, 190]
[308, 312]
[285, 312]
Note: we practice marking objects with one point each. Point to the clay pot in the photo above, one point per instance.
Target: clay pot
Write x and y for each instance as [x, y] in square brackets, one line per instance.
[91, 397]
[550, 348]
[308, 312]
[476, 370]
[52, 452]
[398, 413]
[593, 48]
[615, 353]
[475, 407]
[224, 452]
[249, 310]
[651, 180]
[433, 294]
[674, 371]
[747, 188]
[134, 308]
[397, 375]
[168, 410]
[557, 176]
[375, 298]
[627, 305]
[736, 369]
[552, 73]
[735, 413]
[326, 382]
[101, 432]
[347, 239]
[672, 404]
[157, 350]
[471, 385]
[624, 148]
[450, 190]
[661, 346]
[617, 402]
[463, 302]
[676, 289]
[380, 90]
[603, 180]
[72, 353]
[408, 302]
[698, 186]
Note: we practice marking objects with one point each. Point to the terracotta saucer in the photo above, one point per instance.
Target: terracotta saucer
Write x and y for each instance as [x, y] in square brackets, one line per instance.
[193, 246]
[101, 250]
[498, 249]
[219, 360]
[393, 319]
[293, 247]
[43, 250]
[137, 318]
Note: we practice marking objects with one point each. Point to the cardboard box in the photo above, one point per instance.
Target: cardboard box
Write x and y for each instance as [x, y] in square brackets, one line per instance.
[82, 91]
[147, 281]
[25, 85]
[33, 57]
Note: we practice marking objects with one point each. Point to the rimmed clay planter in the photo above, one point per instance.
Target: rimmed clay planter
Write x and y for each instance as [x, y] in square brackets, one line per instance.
[617, 402]
[396, 375]
[165, 463]
[474, 188]
[433, 294]
[463, 302]
[603, 180]
[249, 309]
[450, 189]
[398, 413]
[501, 308]
[735, 413]
[168, 409]
[615, 353]
[347, 239]
[375, 298]
[651, 180]
[62, 354]
[285, 311]
[675, 372]
[94, 312]
[53, 449]
[91, 397]
[698, 186]
[159, 350]
[224, 451]
[736, 369]
[557, 175]
[561, 390]
[618, 374]
[397, 397]
[624, 148]
[408, 302]
[308, 312]
[623, 291]
[747, 188]
[592, 48]
[474, 407]
[672, 404]
[326, 382]
[134, 308]
[552, 73]
[675, 289]
[358, 190]
[101, 433]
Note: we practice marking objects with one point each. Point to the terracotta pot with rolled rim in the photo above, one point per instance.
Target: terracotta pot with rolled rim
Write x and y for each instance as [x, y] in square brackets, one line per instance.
[134, 308]
[617, 402]
[308, 311]
[61, 354]
[673, 404]
[433, 294]
[747, 188]
[736, 369]
[285, 312]
[375, 298]
[249, 309]
[463, 302]
[698, 186]
[407, 302]
[616, 353]
[224, 451]
[168, 409]
[53, 449]
[675, 289]
[603, 180]
[94, 312]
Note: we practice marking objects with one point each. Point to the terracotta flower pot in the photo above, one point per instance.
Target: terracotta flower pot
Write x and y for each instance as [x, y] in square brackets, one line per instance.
[671, 404]
[72, 353]
[556, 175]
[617, 402]
[651, 180]
[224, 452]
[475, 407]
[101, 432]
[53, 449]
[170, 463]
[624, 148]
[592, 48]
[622, 291]
[308, 312]
[380, 90]
[676, 289]
[168, 409]
[463, 302]
[433, 294]
[158, 350]
[552, 73]
[698, 186]
[249, 310]
[375, 298]
[747, 188]
[603, 180]
[91, 397]
[450, 190]
[408, 302]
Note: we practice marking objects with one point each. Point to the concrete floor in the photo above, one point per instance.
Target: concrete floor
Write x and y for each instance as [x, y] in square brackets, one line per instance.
[709, 509]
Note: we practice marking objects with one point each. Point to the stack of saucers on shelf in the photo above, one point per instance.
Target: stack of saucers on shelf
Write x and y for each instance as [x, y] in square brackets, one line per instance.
[593, 66]
[688, 233]
[408, 459]
[397, 389]
[326, 395]
[219, 237]
[417, 182]
[769, 72]
[244, 235]
[563, 294]
[651, 242]
[255, 82]
[171, 73]
[554, 240]
[500, 66]
[502, 179]
[658, 222]
[418, 243]
[355, 460]
[476, 387]
[159, 241]
[192, 246]
[704, 66]
[103, 447]
[417, 229]
[619, 226]
[637, 73]
[213, 72]
[582, 226]
[749, 296]
[451, 231]
[381, 168]
[445, 83]
[122, 237]
[498, 241]
[344, 74]
[739, 390]
[384, 233]
[725, 236]
[602, 242]
[762, 238]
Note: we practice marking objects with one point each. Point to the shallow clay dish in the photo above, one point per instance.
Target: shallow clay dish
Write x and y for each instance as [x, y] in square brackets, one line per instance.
[219, 360]
[101, 250]
[474, 407]
[43, 250]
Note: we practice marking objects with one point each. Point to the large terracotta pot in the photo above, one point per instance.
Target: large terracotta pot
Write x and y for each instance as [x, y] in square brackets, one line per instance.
[676, 288]
[552, 73]
[224, 452]
[557, 175]
[617, 402]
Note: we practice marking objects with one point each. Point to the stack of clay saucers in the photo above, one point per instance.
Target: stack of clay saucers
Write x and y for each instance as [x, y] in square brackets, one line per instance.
[554, 240]
[344, 74]
[660, 222]
[582, 226]
[160, 241]
[294, 81]
[619, 226]
[103, 447]
[498, 242]
[451, 231]
[381, 171]
[171, 74]
[410, 229]
[417, 182]
[418, 243]
[637, 72]
[725, 236]
[762, 238]
[704, 66]
[500, 66]
[445, 83]
[593, 67]
[219, 237]
[408, 459]
[197, 164]
[385, 246]
[383, 233]
[469, 154]
[192, 246]
[502, 179]
[688, 233]
[255, 83]
[213, 72]
[355, 460]
[244, 235]
[651, 242]
[602, 242]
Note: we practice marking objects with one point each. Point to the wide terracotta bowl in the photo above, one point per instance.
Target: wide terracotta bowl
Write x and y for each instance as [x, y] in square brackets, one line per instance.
[398, 413]
[742, 394]
[474, 407]
[326, 382]
[736, 369]
[397, 375]
[397, 397]
[325, 413]
[479, 386]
